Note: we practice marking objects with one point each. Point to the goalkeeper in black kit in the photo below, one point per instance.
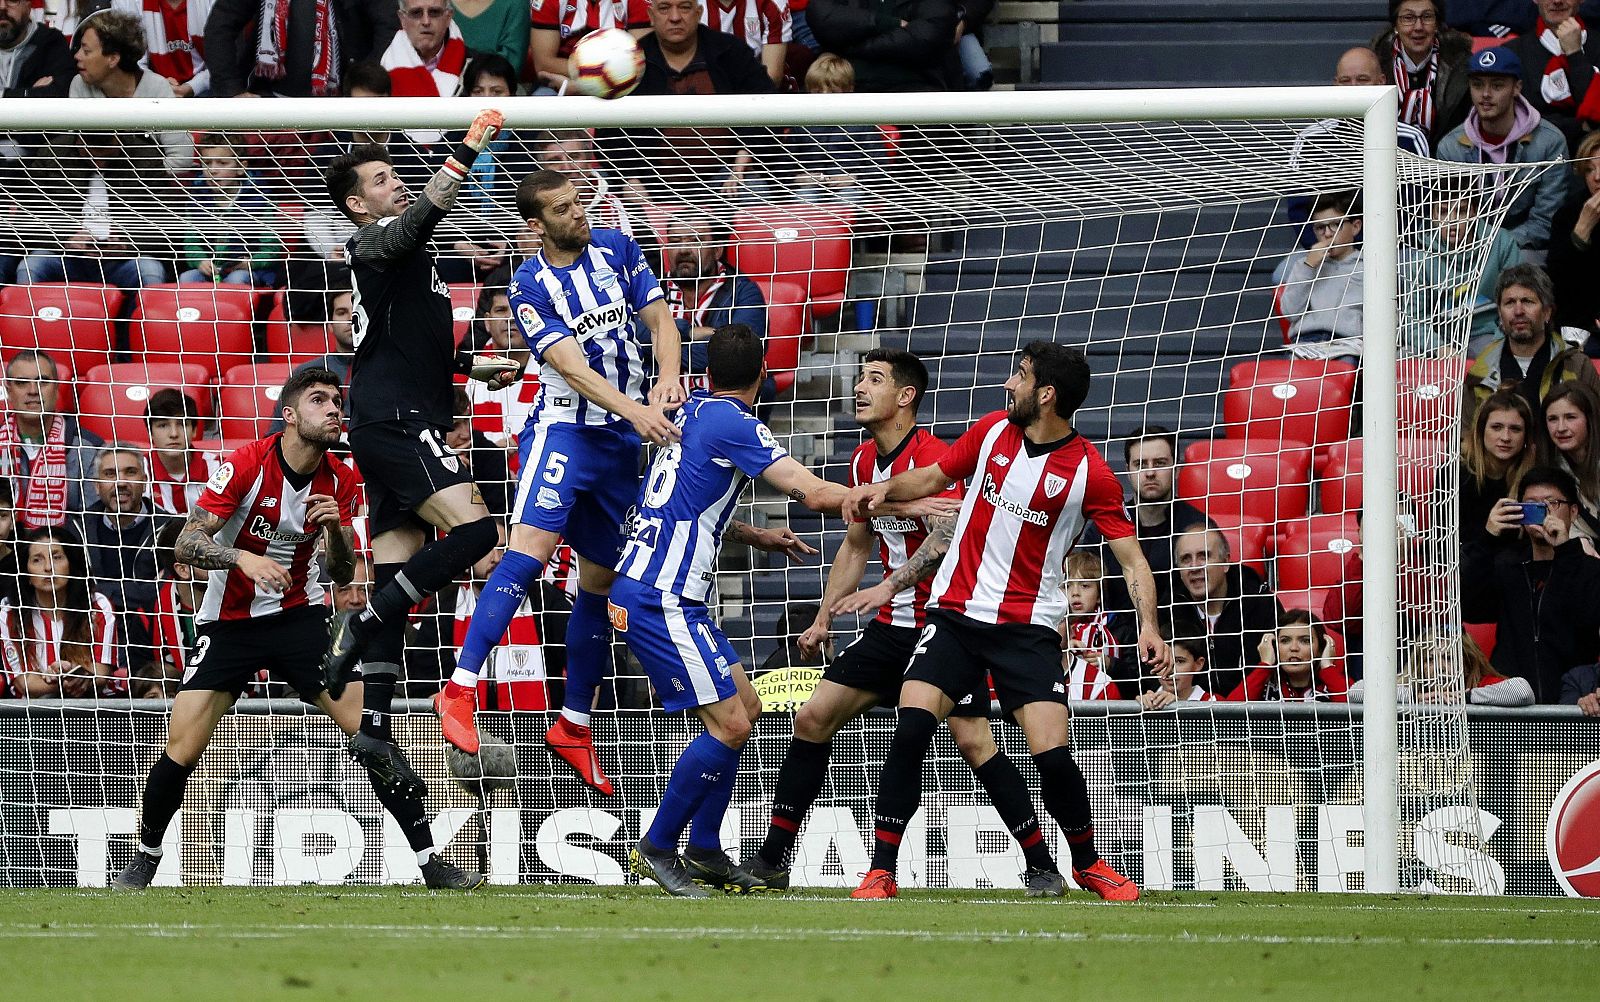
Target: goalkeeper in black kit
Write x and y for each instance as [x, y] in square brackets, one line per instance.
[401, 408]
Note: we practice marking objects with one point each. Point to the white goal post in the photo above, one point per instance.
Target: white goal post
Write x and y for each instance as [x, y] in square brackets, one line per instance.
[1012, 194]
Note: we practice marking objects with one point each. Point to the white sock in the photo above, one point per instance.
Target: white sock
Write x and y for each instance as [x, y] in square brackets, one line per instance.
[156, 852]
[573, 716]
[424, 856]
[463, 677]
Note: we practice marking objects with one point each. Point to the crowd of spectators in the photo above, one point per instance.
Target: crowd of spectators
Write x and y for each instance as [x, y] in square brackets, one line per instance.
[89, 598]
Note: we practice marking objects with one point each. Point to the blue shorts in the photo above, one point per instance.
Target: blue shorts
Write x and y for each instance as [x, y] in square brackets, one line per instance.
[685, 655]
[579, 482]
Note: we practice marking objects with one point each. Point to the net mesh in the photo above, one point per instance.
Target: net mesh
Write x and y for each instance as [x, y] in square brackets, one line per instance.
[209, 261]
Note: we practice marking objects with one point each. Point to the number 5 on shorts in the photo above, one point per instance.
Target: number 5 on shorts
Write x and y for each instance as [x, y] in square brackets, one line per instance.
[555, 467]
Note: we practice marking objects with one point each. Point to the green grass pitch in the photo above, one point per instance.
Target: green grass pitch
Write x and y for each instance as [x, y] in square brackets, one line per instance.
[397, 944]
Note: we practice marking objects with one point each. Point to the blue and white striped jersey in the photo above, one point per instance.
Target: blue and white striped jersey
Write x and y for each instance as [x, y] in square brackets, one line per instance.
[596, 300]
[689, 494]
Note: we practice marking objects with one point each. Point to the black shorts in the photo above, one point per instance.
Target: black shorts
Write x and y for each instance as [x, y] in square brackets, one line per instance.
[1024, 660]
[228, 653]
[404, 463]
[876, 662]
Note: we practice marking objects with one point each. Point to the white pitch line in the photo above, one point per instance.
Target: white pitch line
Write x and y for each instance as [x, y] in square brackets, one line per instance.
[759, 934]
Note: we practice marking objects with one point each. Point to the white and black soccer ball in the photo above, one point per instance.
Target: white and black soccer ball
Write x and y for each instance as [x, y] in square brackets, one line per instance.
[606, 63]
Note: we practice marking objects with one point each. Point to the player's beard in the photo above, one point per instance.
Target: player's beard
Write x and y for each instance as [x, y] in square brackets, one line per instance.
[570, 242]
[1023, 411]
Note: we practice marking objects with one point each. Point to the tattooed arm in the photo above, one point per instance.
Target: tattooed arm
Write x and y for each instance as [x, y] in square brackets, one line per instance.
[921, 564]
[1142, 589]
[197, 547]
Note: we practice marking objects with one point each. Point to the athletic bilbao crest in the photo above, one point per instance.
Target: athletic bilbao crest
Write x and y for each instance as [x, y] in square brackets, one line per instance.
[1572, 834]
[1054, 485]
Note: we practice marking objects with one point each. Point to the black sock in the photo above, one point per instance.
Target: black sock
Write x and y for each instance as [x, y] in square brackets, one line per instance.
[430, 569]
[1009, 795]
[377, 695]
[800, 779]
[163, 795]
[1066, 796]
[409, 811]
[900, 784]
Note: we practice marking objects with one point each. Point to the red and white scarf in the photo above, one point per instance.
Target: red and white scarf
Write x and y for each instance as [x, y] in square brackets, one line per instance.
[1416, 104]
[1555, 86]
[272, 36]
[42, 501]
[409, 76]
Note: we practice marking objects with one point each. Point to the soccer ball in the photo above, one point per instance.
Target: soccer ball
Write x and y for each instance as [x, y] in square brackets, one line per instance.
[606, 63]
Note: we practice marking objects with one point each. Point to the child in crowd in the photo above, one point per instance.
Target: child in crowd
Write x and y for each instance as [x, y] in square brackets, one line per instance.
[1297, 665]
[834, 160]
[178, 471]
[1092, 649]
[232, 234]
[1180, 683]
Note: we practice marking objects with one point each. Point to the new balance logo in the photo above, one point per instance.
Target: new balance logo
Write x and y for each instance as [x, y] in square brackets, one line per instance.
[1002, 461]
[269, 502]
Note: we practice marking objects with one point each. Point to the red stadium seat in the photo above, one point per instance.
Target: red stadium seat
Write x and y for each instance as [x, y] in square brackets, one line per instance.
[70, 321]
[1254, 479]
[1311, 553]
[1313, 600]
[286, 343]
[463, 307]
[1428, 395]
[1340, 487]
[1300, 399]
[207, 325]
[249, 401]
[807, 246]
[112, 398]
[787, 327]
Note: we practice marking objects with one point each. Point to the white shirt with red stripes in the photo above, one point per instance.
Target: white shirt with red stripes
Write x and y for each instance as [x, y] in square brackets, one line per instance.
[264, 513]
[37, 646]
[177, 492]
[757, 23]
[576, 18]
[1022, 516]
[898, 538]
[175, 38]
[1085, 681]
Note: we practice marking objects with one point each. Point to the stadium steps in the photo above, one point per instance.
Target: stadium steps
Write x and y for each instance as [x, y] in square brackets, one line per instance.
[1108, 44]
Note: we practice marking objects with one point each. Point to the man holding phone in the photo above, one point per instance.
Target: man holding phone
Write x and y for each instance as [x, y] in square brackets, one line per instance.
[1535, 581]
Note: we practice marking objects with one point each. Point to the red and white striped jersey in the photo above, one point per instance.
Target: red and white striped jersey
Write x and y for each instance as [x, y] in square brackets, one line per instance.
[264, 512]
[1021, 517]
[174, 37]
[898, 538]
[755, 22]
[177, 493]
[171, 628]
[516, 664]
[1085, 681]
[576, 18]
[36, 646]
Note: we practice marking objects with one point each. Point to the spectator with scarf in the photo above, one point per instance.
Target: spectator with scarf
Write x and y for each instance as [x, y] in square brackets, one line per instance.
[1574, 259]
[60, 640]
[291, 48]
[1428, 62]
[1097, 648]
[703, 289]
[43, 453]
[1558, 61]
[427, 56]
[1504, 129]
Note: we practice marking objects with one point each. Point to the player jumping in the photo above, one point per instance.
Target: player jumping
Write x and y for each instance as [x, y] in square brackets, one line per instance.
[658, 603]
[869, 671]
[998, 596]
[402, 404]
[578, 303]
[255, 528]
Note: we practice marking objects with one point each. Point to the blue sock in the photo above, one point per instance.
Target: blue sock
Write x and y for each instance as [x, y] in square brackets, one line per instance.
[588, 654]
[699, 771]
[705, 831]
[498, 603]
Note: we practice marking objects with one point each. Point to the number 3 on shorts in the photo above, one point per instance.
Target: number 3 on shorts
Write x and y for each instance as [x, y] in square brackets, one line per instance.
[198, 656]
[555, 467]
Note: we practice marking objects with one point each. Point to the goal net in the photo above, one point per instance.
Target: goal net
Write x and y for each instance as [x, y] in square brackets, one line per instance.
[1205, 251]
